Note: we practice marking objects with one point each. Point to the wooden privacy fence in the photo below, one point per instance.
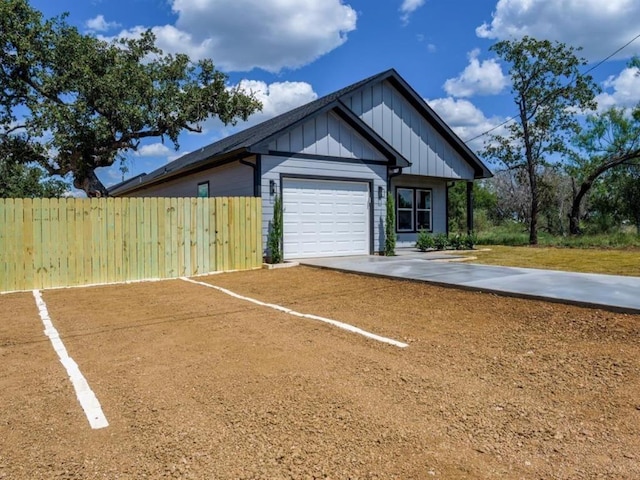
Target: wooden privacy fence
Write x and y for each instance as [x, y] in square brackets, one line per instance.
[71, 241]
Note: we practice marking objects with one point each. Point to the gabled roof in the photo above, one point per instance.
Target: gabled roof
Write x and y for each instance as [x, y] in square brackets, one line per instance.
[480, 169]
[254, 139]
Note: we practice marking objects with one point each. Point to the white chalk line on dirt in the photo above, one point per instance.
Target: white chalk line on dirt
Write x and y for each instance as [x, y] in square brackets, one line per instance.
[88, 400]
[335, 323]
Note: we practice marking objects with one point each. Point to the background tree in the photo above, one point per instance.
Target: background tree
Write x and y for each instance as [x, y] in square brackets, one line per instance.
[629, 193]
[87, 102]
[548, 88]
[485, 204]
[609, 140]
[19, 180]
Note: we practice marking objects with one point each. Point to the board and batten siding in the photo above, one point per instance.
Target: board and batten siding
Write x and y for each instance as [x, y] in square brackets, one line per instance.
[276, 167]
[387, 112]
[438, 189]
[229, 180]
[326, 135]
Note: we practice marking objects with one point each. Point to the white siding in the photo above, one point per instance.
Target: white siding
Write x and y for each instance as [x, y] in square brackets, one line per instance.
[274, 167]
[388, 113]
[230, 180]
[438, 203]
[326, 135]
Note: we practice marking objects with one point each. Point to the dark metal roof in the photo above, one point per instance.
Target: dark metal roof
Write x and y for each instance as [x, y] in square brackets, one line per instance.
[241, 144]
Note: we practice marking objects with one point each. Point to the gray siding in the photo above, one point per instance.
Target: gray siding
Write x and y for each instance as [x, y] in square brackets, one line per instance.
[273, 167]
[388, 113]
[230, 180]
[439, 203]
[326, 135]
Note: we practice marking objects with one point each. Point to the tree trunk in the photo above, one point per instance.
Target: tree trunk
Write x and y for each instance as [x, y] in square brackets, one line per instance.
[574, 215]
[91, 185]
[535, 204]
[533, 225]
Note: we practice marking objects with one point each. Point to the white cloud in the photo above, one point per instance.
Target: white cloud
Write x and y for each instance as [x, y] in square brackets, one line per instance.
[276, 98]
[99, 24]
[240, 35]
[478, 78]
[408, 7]
[621, 91]
[279, 97]
[466, 120]
[153, 150]
[599, 26]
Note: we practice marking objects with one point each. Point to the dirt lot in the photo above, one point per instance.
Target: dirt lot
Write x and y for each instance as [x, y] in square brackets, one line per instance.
[198, 384]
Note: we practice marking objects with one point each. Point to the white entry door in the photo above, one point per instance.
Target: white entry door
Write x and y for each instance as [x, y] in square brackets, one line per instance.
[325, 218]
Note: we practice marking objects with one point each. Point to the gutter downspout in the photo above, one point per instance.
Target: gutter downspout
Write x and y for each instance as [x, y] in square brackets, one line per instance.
[256, 181]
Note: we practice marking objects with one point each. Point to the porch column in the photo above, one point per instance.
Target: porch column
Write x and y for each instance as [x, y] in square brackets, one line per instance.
[469, 207]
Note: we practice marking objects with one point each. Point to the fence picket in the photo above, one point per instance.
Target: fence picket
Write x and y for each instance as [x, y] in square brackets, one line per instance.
[71, 241]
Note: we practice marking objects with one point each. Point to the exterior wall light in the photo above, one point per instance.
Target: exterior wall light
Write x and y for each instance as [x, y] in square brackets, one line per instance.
[272, 187]
[380, 192]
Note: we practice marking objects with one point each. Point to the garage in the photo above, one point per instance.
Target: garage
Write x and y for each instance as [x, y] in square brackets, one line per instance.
[325, 218]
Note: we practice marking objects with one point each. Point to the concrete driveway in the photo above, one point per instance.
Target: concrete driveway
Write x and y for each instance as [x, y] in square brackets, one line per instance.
[612, 292]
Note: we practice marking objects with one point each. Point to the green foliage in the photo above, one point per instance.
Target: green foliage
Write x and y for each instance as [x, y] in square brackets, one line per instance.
[274, 237]
[390, 228]
[607, 148]
[456, 241]
[24, 180]
[425, 241]
[96, 100]
[508, 233]
[548, 89]
[514, 234]
[440, 241]
[483, 199]
[19, 180]
[469, 241]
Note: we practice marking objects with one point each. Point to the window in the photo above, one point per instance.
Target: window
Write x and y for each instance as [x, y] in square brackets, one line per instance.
[203, 189]
[423, 209]
[404, 202]
[413, 209]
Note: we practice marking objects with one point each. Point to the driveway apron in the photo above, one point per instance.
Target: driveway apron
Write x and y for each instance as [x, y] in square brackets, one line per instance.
[611, 292]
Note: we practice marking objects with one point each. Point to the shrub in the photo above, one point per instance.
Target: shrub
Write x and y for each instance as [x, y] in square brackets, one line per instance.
[425, 241]
[440, 241]
[390, 228]
[274, 237]
[455, 242]
[469, 241]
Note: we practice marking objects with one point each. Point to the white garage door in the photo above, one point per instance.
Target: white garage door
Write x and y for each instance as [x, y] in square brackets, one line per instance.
[324, 218]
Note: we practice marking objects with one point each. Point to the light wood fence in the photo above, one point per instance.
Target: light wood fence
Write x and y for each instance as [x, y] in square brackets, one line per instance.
[70, 241]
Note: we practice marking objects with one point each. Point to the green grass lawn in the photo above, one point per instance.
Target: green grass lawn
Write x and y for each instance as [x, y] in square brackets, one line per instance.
[589, 260]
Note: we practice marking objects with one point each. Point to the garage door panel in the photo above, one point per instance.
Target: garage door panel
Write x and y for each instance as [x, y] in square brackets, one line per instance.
[325, 218]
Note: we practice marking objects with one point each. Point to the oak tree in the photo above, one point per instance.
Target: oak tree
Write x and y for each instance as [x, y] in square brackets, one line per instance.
[610, 140]
[86, 102]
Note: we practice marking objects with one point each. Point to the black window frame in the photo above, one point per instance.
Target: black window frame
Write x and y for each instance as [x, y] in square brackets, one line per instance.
[414, 209]
[198, 190]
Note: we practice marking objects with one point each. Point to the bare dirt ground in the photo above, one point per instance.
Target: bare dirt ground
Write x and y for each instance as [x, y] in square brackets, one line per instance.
[198, 384]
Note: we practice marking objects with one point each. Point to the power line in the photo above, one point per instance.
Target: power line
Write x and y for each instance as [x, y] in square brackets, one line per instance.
[509, 119]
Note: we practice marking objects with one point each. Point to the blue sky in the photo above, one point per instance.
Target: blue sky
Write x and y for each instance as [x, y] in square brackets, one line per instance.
[290, 52]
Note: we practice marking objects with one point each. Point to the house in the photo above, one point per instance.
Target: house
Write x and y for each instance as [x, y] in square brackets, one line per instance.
[333, 161]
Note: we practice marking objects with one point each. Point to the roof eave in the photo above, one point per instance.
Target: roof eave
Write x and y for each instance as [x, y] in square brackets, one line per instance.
[192, 168]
